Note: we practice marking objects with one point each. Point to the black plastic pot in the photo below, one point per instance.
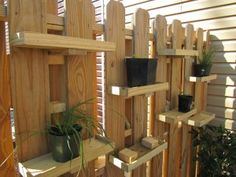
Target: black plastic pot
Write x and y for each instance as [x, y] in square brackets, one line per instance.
[141, 71]
[185, 103]
[201, 70]
[64, 148]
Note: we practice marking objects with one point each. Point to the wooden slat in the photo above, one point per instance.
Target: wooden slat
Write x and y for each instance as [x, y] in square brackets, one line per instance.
[128, 132]
[140, 44]
[175, 116]
[30, 80]
[6, 146]
[227, 80]
[228, 91]
[51, 41]
[224, 57]
[45, 166]
[144, 154]
[114, 74]
[227, 34]
[227, 113]
[228, 69]
[202, 79]
[200, 119]
[158, 105]
[221, 101]
[177, 52]
[3, 13]
[141, 90]
[57, 107]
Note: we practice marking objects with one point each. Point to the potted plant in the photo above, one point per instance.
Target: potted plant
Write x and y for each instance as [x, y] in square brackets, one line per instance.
[65, 135]
[185, 103]
[203, 67]
[140, 71]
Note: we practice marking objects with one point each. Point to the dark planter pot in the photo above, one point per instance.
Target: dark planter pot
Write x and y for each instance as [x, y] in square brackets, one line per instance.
[185, 103]
[141, 71]
[60, 150]
[201, 70]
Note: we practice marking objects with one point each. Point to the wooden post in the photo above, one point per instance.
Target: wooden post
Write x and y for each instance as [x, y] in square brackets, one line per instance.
[6, 144]
[188, 90]
[115, 75]
[29, 79]
[159, 167]
[140, 43]
[81, 70]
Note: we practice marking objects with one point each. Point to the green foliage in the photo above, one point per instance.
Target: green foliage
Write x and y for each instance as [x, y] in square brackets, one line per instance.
[217, 151]
[207, 56]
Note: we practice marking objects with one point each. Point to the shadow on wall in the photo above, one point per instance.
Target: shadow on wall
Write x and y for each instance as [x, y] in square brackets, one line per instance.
[221, 92]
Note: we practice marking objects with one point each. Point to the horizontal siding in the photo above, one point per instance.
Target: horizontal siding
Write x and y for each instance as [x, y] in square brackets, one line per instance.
[220, 18]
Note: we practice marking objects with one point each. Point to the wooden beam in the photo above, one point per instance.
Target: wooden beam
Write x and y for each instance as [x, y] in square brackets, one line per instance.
[51, 41]
[57, 107]
[45, 166]
[202, 79]
[200, 119]
[177, 52]
[141, 90]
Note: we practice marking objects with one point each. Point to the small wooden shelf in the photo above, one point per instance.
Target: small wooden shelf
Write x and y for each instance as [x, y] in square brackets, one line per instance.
[3, 13]
[200, 119]
[45, 166]
[51, 41]
[144, 154]
[202, 79]
[57, 107]
[134, 91]
[128, 132]
[175, 116]
[177, 52]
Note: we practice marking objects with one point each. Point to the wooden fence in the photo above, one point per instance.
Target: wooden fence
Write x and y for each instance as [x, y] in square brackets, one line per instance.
[51, 72]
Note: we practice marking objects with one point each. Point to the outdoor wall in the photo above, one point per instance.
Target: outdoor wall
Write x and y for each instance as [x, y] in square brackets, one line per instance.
[220, 18]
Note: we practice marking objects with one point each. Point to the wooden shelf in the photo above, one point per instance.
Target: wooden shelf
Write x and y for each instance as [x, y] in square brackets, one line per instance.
[200, 119]
[134, 91]
[57, 107]
[45, 166]
[177, 52]
[128, 132]
[51, 41]
[3, 13]
[202, 79]
[175, 116]
[144, 154]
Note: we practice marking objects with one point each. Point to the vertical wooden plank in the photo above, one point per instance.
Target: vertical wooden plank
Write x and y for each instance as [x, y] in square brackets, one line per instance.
[6, 144]
[81, 70]
[140, 43]
[115, 75]
[188, 89]
[175, 130]
[29, 76]
[159, 167]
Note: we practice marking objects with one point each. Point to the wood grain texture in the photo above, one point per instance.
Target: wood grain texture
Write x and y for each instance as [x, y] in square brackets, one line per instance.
[29, 76]
[158, 166]
[6, 143]
[140, 46]
[115, 75]
[81, 70]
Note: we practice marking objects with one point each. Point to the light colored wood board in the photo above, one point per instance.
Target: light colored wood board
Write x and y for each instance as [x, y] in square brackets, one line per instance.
[200, 119]
[227, 102]
[145, 154]
[29, 80]
[220, 121]
[227, 80]
[68, 52]
[45, 166]
[150, 142]
[158, 165]
[128, 132]
[3, 13]
[53, 19]
[56, 60]
[81, 70]
[57, 107]
[223, 112]
[135, 91]
[202, 79]
[115, 75]
[127, 155]
[175, 116]
[177, 52]
[6, 145]
[221, 90]
[51, 41]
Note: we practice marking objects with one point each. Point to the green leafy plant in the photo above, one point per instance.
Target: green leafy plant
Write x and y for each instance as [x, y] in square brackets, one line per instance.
[216, 151]
[207, 56]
